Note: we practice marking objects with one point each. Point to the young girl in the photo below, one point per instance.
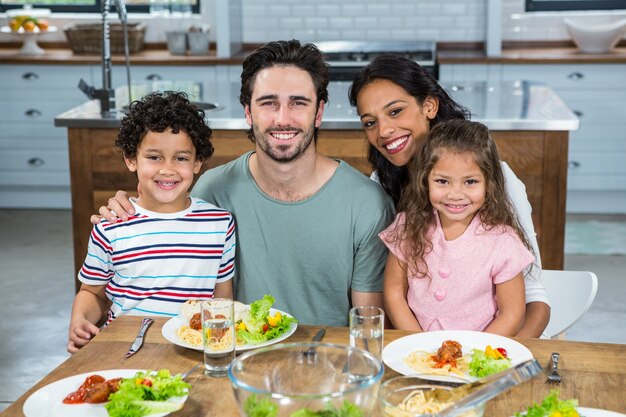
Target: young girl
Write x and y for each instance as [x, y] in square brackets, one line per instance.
[457, 251]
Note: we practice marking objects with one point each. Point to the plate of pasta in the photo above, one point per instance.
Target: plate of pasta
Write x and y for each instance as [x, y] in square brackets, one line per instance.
[453, 354]
[256, 325]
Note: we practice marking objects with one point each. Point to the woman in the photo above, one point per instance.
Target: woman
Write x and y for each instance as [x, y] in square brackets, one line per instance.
[398, 103]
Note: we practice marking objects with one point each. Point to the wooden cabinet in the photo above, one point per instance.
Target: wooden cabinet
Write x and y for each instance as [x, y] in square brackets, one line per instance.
[34, 163]
[538, 158]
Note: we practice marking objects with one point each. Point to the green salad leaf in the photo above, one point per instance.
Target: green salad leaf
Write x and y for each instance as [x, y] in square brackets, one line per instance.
[551, 406]
[258, 326]
[147, 393]
[264, 407]
[482, 365]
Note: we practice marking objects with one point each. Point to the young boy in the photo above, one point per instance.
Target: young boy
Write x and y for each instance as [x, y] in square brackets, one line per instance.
[175, 247]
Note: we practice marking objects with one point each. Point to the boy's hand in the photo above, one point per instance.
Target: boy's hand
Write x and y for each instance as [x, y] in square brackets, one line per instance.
[119, 208]
[81, 332]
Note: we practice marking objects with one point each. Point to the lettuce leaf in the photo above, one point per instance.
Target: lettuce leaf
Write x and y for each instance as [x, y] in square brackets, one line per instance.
[482, 365]
[136, 399]
[256, 320]
[551, 406]
[259, 310]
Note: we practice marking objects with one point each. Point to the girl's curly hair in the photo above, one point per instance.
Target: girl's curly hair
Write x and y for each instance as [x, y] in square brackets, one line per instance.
[158, 111]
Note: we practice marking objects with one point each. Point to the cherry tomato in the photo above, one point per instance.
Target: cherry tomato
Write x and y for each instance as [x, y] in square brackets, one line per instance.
[503, 352]
[147, 382]
[265, 327]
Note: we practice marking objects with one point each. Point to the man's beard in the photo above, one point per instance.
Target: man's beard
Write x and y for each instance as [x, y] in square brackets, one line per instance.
[284, 153]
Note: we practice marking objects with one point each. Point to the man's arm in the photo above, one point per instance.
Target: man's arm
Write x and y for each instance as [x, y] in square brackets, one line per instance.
[367, 298]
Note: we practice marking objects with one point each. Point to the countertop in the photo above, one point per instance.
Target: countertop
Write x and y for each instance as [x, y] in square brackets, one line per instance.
[457, 53]
[532, 55]
[518, 105]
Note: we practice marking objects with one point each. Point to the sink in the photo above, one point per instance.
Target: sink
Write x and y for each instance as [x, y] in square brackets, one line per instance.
[202, 105]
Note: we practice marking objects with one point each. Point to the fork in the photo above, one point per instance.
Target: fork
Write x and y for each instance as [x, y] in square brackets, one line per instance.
[553, 376]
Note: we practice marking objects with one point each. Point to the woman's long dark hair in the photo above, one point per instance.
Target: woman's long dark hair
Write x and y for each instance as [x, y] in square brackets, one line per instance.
[417, 82]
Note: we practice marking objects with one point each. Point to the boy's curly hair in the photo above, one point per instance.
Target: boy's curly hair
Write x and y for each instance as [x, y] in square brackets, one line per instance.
[158, 111]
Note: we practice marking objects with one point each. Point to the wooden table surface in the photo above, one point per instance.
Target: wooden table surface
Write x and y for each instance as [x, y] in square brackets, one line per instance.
[595, 373]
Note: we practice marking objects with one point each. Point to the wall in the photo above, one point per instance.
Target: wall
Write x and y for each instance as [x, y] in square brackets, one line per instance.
[265, 20]
[450, 20]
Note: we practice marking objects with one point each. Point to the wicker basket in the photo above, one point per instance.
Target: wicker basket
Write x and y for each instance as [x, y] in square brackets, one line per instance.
[86, 38]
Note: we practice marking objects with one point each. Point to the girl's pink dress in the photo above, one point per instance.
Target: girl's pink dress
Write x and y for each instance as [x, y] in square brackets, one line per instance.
[459, 293]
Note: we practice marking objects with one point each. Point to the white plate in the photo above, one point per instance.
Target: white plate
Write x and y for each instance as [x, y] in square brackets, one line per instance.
[48, 401]
[596, 412]
[396, 351]
[175, 323]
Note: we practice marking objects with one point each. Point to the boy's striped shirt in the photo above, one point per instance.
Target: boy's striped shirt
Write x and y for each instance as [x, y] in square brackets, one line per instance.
[154, 261]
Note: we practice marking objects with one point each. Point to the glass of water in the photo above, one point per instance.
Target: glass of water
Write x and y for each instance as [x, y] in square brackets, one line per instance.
[367, 328]
[218, 335]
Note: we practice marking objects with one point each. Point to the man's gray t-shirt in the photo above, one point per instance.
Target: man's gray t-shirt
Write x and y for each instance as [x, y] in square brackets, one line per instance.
[308, 254]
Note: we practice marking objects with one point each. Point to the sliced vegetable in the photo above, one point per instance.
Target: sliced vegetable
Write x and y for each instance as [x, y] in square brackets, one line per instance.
[482, 364]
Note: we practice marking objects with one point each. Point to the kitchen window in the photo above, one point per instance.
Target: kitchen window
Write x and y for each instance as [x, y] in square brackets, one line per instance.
[94, 6]
[565, 5]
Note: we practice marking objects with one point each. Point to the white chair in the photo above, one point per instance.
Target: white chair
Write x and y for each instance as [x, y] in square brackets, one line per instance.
[571, 294]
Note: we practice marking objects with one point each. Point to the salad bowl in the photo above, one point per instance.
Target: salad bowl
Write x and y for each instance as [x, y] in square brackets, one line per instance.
[306, 379]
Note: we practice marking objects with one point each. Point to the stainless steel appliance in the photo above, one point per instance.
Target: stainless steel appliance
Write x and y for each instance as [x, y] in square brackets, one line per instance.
[346, 58]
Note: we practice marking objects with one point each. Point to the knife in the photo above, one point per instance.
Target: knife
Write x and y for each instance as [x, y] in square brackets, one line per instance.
[318, 336]
[145, 323]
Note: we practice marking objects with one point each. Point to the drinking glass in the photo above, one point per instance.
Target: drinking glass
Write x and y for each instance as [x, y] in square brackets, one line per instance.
[367, 327]
[218, 335]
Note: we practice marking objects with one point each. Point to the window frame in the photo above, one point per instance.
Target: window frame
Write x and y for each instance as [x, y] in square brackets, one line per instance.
[95, 8]
[571, 5]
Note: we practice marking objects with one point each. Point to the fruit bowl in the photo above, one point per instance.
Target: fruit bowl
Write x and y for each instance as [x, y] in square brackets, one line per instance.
[28, 20]
[305, 377]
[27, 24]
[595, 38]
[29, 44]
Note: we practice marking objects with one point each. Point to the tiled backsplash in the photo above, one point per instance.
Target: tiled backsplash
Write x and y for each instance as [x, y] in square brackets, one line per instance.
[444, 21]
[449, 20]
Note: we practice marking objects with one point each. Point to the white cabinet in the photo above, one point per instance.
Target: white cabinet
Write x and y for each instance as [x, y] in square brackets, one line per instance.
[34, 162]
[34, 167]
[597, 150]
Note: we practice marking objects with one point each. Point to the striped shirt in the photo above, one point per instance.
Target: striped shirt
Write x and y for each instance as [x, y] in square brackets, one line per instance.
[153, 262]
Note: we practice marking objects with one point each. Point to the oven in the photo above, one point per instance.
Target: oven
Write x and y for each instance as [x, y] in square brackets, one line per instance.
[346, 58]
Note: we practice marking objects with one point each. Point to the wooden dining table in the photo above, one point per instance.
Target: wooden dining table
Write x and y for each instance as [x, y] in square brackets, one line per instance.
[594, 373]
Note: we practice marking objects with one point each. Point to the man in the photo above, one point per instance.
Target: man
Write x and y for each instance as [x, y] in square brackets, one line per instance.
[307, 224]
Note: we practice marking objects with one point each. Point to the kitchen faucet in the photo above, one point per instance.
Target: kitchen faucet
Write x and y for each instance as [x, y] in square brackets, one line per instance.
[106, 94]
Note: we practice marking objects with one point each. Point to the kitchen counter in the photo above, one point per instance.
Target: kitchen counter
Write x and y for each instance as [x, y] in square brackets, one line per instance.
[458, 53]
[532, 55]
[518, 105]
[58, 55]
[528, 121]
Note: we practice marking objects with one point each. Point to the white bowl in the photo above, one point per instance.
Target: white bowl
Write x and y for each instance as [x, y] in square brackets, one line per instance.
[595, 38]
